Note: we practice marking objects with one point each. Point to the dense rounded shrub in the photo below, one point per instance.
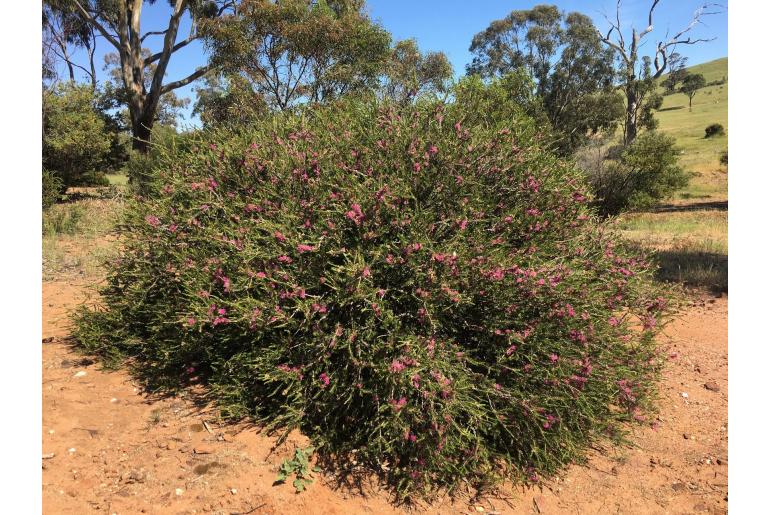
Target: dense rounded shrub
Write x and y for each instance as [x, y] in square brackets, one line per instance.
[715, 129]
[422, 292]
[76, 142]
[636, 176]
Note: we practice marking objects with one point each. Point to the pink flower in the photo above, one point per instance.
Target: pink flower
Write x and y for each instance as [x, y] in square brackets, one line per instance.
[613, 321]
[366, 272]
[554, 358]
[396, 366]
[398, 404]
[191, 321]
[261, 275]
[279, 236]
[305, 248]
[284, 259]
[433, 150]
[463, 224]
[355, 214]
[324, 379]
[417, 167]
[152, 220]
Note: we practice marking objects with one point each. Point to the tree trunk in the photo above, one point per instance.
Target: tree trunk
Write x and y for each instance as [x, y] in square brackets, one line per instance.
[141, 136]
[629, 134]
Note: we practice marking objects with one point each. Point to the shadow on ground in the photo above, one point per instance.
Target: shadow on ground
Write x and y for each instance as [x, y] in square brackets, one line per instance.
[694, 269]
[670, 208]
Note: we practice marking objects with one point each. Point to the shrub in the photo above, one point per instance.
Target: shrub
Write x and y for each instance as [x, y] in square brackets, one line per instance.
[53, 187]
[75, 139]
[425, 290]
[642, 174]
[715, 129]
[723, 158]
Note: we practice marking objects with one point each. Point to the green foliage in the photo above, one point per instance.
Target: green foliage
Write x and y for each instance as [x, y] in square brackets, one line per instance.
[295, 51]
[53, 187]
[715, 129]
[644, 173]
[142, 168]
[573, 73]
[75, 140]
[229, 100]
[677, 66]
[423, 288]
[410, 73]
[691, 84]
[299, 466]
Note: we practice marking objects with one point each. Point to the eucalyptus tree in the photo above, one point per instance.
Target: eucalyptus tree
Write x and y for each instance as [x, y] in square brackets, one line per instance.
[573, 72]
[119, 24]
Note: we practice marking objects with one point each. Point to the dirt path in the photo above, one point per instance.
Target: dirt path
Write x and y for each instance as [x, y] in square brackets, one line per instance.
[117, 451]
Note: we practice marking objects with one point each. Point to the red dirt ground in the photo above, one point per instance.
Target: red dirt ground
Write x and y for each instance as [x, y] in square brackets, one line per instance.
[109, 448]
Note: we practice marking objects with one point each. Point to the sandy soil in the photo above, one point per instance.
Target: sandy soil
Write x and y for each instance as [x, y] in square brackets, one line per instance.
[109, 448]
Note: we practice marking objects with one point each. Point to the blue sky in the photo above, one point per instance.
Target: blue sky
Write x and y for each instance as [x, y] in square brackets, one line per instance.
[449, 26]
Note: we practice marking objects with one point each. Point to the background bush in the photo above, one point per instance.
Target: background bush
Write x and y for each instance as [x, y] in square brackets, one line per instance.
[715, 129]
[424, 290]
[75, 140]
[52, 187]
[637, 176]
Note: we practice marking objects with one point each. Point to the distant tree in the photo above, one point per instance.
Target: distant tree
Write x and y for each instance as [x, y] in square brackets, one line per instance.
[573, 72]
[691, 84]
[636, 70]
[410, 73]
[296, 51]
[228, 100]
[677, 65]
[118, 22]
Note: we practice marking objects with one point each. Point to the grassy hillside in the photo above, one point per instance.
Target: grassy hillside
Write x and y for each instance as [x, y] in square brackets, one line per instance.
[700, 155]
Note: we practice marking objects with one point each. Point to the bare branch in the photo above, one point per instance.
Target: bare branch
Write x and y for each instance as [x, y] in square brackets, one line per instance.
[181, 44]
[200, 72]
[153, 33]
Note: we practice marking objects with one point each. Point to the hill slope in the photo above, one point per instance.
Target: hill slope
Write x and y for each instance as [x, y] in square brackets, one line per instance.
[709, 106]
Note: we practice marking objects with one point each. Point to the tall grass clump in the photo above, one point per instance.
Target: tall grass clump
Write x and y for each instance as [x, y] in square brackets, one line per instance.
[422, 291]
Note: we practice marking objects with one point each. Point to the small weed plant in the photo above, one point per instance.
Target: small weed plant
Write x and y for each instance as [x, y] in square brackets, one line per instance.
[424, 288]
[299, 467]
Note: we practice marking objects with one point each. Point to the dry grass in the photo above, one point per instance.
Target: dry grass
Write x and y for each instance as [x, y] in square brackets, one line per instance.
[78, 237]
[691, 246]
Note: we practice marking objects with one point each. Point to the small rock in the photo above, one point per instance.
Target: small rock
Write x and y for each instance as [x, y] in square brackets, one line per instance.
[50, 339]
[171, 445]
[51, 431]
[80, 374]
[179, 491]
[233, 491]
[678, 487]
[48, 456]
[480, 509]
[685, 395]
[202, 449]
[114, 400]
[71, 450]
[614, 470]
[711, 386]
[685, 436]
